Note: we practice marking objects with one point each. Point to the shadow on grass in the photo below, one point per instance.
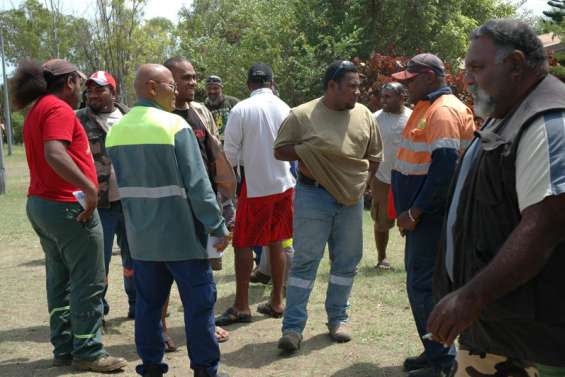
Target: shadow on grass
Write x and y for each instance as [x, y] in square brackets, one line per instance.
[259, 355]
[257, 294]
[33, 263]
[369, 369]
[35, 334]
[24, 367]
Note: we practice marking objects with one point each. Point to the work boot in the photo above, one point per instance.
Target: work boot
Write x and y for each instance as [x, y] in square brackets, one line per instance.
[339, 333]
[426, 372]
[204, 373]
[290, 341]
[61, 361]
[152, 370]
[416, 362]
[102, 364]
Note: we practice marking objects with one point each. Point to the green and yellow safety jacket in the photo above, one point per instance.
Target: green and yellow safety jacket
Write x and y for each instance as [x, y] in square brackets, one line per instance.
[168, 202]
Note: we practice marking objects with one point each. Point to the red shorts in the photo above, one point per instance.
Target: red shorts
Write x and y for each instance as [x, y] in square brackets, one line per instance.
[262, 220]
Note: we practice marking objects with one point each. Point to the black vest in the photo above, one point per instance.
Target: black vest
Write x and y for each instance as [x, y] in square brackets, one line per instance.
[528, 323]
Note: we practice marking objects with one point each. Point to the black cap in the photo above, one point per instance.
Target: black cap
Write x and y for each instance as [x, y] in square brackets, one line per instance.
[419, 64]
[214, 80]
[260, 73]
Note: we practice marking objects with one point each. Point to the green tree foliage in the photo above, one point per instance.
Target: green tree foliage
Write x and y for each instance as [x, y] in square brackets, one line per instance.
[34, 31]
[224, 37]
[557, 11]
[300, 37]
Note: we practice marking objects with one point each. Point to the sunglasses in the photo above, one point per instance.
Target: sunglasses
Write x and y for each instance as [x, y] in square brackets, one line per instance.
[345, 64]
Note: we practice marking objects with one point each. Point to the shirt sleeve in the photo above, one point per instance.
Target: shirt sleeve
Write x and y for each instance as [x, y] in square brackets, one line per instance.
[59, 124]
[233, 137]
[375, 147]
[289, 132]
[540, 160]
[197, 184]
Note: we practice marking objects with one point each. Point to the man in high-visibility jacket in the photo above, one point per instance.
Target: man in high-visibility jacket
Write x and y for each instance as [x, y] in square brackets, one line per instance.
[169, 207]
[439, 128]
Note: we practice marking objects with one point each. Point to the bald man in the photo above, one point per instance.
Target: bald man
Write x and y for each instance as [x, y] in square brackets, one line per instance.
[170, 209]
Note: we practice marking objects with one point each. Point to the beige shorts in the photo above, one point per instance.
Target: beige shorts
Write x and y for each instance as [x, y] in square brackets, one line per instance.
[379, 205]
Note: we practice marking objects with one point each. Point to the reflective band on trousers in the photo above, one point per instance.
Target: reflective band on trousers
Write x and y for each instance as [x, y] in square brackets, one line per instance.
[300, 283]
[85, 336]
[152, 192]
[340, 280]
[55, 310]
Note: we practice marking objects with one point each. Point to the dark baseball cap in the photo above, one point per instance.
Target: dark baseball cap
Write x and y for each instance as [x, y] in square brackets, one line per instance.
[419, 64]
[58, 67]
[214, 80]
[259, 73]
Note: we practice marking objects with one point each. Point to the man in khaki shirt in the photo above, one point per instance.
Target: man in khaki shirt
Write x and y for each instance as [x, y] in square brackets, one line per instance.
[336, 142]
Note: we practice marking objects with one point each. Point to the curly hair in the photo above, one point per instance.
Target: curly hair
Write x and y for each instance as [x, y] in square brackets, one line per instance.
[27, 84]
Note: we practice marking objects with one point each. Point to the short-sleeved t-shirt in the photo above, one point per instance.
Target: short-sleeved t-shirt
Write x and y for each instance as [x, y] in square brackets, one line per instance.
[50, 119]
[336, 146]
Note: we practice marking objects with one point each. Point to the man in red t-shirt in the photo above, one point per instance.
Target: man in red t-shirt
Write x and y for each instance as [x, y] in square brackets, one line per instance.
[61, 166]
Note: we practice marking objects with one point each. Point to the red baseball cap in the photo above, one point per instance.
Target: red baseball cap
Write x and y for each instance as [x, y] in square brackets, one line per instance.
[419, 64]
[102, 78]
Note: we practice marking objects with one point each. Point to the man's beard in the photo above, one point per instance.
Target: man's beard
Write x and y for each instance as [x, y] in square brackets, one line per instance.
[483, 104]
[216, 100]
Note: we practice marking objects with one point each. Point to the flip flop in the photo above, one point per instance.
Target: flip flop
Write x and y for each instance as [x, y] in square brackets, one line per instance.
[267, 310]
[383, 265]
[222, 335]
[231, 316]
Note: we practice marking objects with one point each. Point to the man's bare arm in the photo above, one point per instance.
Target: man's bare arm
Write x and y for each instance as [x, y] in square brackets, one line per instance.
[286, 153]
[56, 155]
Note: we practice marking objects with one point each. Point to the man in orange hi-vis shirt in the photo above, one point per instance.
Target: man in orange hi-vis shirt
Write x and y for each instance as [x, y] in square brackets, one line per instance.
[438, 130]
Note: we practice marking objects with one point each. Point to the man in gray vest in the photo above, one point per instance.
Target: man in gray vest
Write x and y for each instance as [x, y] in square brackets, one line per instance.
[501, 274]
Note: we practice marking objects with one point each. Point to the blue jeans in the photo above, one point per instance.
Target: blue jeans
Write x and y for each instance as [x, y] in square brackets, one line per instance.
[198, 294]
[113, 224]
[320, 219]
[420, 255]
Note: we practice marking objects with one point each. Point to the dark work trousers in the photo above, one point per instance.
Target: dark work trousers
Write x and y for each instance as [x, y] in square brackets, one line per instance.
[113, 224]
[74, 265]
[421, 247]
[198, 294]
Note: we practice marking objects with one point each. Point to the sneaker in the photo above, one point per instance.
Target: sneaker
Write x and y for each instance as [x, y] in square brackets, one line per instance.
[426, 372]
[416, 362]
[259, 277]
[290, 341]
[103, 364]
[61, 361]
[340, 333]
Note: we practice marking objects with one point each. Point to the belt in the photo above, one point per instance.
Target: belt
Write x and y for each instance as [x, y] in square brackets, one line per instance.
[308, 181]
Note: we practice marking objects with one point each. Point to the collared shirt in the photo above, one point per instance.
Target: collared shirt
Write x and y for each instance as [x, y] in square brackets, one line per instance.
[250, 133]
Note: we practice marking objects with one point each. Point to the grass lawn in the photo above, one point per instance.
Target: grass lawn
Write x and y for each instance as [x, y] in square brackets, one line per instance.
[380, 316]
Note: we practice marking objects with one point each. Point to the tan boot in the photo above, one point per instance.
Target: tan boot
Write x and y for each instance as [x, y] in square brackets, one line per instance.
[340, 333]
[103, 364]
